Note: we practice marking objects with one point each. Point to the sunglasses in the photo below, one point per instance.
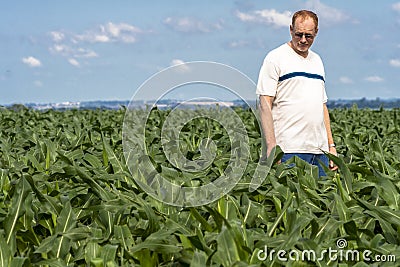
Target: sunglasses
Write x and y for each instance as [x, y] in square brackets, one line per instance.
[308, 36]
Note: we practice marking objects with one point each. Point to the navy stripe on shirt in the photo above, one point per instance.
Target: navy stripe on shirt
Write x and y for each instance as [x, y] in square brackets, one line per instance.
[303, 74]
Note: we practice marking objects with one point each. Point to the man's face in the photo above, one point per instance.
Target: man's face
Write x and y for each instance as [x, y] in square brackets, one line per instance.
[303, 33]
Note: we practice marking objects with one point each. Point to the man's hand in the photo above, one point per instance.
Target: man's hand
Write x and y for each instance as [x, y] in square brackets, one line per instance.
[269, 150]
[332, 166]
[267, 122]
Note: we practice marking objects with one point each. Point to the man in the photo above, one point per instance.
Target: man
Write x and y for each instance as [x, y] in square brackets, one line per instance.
[291, 90]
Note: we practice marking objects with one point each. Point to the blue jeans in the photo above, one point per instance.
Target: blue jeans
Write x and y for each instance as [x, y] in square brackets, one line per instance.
[313, 159]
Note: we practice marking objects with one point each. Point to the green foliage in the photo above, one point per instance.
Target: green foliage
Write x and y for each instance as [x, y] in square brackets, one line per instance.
[68, 199]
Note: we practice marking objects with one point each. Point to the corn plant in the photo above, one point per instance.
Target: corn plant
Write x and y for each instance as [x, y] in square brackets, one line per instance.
[67, 197]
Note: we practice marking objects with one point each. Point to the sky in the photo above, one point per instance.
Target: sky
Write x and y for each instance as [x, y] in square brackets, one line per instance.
[59, 51]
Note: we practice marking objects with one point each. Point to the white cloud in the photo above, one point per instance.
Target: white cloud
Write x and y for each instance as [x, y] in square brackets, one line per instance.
[31, 61]
[345, 80]
[85, 53]
[238, 44]
[110, 32]
[38, 83]
[191, 25]
[57, 36]
[394, 62]
[374, 79]
[59, 48]
[254, 43]
[72, 45]
[327, 14]
[177, 62]
[266, 16]
[100, 38]
[91, 37]
[69, 51]
[118, 30]
[396, 7]
[182, 66]
[74, 62]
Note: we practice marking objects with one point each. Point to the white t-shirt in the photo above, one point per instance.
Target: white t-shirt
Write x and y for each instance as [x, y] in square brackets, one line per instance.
[298, 85]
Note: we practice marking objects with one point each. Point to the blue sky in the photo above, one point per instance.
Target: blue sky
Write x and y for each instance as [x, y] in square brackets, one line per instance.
[56, 51]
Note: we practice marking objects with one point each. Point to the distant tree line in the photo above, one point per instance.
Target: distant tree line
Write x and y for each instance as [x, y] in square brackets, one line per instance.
[339, 103]
[365, 103]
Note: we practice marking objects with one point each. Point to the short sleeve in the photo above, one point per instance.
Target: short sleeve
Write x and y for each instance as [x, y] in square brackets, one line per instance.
[268, 79]
[324, 96]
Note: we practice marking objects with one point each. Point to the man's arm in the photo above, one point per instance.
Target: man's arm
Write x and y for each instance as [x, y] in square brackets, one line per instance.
[267, 122]
[332, 149]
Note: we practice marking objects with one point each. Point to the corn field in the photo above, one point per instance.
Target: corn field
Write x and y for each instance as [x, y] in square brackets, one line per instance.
[67, 197]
